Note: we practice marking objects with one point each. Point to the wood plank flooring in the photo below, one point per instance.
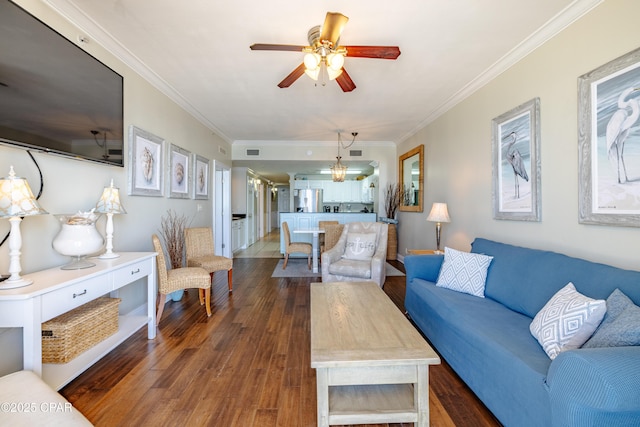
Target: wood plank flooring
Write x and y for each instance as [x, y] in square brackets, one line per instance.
[247, 365]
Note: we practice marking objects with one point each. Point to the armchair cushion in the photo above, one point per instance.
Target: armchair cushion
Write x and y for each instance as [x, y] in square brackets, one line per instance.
[360, 246]
[351, 268]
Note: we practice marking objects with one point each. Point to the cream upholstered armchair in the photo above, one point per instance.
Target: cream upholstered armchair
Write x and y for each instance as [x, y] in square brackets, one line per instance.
[359, 255]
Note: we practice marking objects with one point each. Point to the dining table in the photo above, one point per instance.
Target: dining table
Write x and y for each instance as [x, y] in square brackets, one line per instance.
[315, 232]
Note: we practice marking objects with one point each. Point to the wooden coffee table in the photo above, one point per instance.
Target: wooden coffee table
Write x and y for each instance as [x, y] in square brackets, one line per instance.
[372, 366]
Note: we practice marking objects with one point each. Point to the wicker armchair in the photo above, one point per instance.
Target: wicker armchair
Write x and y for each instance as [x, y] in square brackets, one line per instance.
[178, 279]
[294, 247]
[200, 253]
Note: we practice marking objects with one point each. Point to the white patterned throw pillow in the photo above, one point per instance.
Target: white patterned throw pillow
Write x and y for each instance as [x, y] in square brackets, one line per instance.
[464, 272]
[360, 246]
[567, 320]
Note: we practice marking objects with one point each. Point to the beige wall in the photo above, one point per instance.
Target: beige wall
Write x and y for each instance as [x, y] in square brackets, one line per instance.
[72, 185]
[458, 148]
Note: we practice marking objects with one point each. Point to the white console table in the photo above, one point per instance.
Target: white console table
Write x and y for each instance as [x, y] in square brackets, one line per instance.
[56, 291]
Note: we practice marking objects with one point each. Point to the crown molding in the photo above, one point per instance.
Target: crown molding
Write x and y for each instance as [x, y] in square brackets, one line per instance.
[550, 29]
[75, 16]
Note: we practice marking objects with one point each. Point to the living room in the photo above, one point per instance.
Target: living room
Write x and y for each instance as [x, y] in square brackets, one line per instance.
[457, 169]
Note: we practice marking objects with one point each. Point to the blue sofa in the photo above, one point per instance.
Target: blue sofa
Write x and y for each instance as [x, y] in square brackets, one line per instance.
[488, 343]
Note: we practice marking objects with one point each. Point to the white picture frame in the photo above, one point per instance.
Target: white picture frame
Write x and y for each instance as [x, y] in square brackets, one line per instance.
[200, 177]
[146, 163]
[179, 172]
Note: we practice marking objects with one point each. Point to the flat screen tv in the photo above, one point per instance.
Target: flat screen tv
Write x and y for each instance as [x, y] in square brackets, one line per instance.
[55, 97]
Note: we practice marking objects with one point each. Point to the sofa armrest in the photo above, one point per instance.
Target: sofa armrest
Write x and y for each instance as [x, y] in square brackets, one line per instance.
[595, 386]
[28, 401]
[425, 267]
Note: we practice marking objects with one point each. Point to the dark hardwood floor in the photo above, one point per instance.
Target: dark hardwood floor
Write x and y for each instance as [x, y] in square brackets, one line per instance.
[246, 365]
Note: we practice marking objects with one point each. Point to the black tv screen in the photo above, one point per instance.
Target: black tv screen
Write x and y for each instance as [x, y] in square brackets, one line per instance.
[54, 96]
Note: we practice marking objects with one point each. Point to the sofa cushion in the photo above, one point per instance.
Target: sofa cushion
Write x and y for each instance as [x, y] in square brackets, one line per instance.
[567, 321]
[351, 268]
[360, 246]
[621, 323]
[464, 272]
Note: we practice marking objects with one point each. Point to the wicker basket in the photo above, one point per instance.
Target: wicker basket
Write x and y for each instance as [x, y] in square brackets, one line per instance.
[71, 333]
[392, 243]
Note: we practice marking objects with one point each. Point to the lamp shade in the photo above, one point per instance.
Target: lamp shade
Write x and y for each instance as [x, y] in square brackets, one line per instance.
[110, 201]
[16, 198]
[439, 213]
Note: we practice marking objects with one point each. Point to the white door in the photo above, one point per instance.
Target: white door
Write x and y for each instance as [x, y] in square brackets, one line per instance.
[222, 210]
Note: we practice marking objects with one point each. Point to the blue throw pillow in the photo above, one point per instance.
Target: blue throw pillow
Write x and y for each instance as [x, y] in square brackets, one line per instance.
[620, 326]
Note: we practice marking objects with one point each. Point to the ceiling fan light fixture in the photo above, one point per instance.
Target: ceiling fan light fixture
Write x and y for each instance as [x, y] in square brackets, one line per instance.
[314, 74]
[312, 61]
[335, 61]
[333, 74]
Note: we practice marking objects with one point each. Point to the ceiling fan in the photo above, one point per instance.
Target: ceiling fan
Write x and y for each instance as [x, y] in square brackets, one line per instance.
[325, 56]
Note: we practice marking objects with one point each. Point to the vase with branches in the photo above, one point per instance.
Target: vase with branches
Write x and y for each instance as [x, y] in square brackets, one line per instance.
[392, 196]
[172, 228]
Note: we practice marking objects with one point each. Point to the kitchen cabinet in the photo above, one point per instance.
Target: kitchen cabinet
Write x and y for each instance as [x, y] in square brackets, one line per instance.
[238, 235]
[342, 192]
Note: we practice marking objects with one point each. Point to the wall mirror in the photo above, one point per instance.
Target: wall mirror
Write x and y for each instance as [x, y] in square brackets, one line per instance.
[411, 179]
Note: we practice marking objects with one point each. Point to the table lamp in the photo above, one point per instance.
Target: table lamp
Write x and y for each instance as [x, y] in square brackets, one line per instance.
[438, 214]
[16, 202]
[109, 204]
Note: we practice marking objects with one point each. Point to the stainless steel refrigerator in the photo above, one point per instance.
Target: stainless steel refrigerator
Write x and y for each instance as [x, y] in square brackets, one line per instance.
[307, 200]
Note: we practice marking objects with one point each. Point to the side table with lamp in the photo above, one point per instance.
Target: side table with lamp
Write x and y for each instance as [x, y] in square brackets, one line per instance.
[439, 214]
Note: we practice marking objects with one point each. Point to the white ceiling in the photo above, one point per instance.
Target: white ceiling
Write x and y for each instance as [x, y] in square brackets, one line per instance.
[197, 52]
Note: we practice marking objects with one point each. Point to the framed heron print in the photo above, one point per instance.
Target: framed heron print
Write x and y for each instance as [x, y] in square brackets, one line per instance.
[516, 163]
[609, 143]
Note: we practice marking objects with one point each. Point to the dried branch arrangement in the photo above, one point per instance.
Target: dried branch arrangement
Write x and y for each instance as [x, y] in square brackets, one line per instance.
[172, 232]
[392, 198]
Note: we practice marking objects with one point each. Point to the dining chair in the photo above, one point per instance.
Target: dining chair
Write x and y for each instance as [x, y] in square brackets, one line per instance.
[323, 225]
[332, 233]
[294, 247]
[200, 253]
[178, 279]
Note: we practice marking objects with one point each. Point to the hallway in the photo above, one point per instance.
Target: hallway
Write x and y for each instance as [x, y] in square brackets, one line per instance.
[267, 247]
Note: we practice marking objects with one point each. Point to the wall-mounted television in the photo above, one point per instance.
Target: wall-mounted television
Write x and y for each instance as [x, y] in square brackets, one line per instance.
[54, 96]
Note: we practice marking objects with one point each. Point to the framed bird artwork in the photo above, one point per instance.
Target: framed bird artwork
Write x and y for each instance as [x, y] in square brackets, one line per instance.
[516, 163]
[609, 143]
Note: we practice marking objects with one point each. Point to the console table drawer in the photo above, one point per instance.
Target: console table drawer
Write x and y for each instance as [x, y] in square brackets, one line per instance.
[131, 273]
[63, 300]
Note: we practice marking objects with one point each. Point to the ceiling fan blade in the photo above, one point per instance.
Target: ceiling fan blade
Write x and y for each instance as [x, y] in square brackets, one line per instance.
[332, 28]
[285, 47]
[345, 82]
[291, 78]
[381, 52]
